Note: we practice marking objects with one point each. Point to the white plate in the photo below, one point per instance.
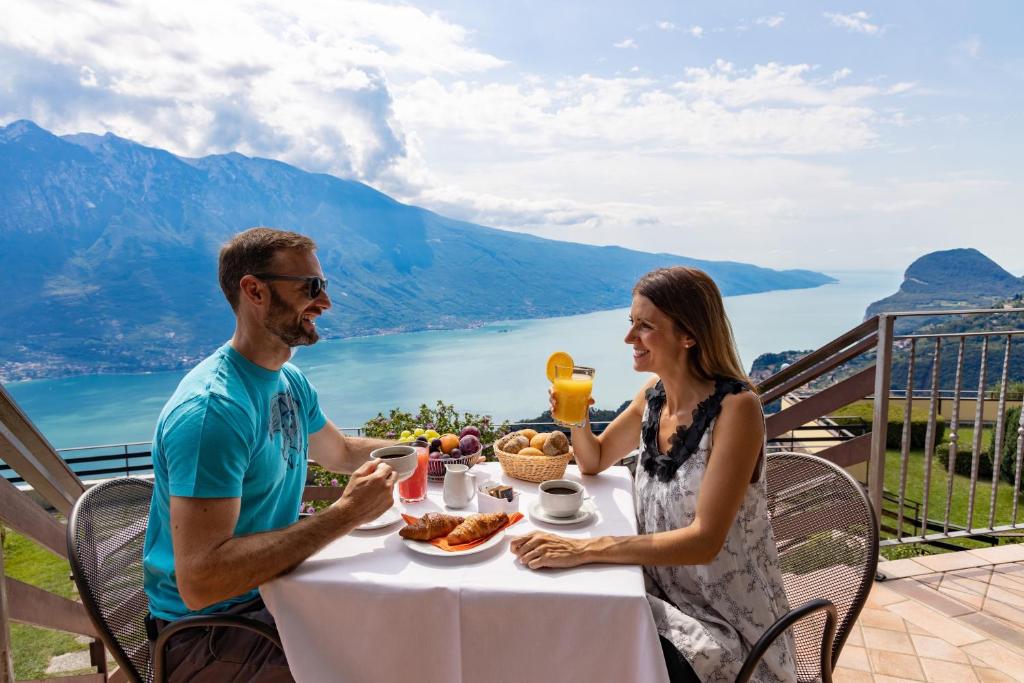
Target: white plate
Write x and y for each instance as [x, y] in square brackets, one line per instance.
[426, 548]
[586, 511]
[390, 516]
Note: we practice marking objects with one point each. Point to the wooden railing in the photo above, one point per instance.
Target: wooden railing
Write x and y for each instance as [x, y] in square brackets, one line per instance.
[32, 456]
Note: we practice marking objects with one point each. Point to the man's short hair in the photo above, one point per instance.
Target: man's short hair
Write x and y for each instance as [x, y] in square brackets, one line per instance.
[251, 252]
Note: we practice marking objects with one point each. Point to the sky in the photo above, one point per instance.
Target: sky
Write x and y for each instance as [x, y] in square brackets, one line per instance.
[822, 135]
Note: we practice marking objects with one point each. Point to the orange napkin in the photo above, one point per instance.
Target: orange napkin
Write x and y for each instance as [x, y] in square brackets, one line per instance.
[442, 543]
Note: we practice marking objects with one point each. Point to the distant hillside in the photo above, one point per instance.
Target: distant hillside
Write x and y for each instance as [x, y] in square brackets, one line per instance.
[108, 256]
[924, 356]
[941, 280]
[956, 278]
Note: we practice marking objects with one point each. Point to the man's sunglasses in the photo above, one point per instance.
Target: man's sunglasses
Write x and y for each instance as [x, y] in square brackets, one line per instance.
[315, 284]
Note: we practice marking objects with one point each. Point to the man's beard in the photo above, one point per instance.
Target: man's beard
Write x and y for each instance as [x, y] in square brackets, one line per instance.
[284, 324]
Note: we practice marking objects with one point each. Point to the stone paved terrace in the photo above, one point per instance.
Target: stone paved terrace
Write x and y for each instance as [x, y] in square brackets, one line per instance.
[955, 617]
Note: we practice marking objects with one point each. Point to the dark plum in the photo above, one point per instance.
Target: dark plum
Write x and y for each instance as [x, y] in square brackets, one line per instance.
[469, 444]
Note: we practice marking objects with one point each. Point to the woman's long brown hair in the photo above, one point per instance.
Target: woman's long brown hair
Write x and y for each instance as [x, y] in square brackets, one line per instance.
[692, 300]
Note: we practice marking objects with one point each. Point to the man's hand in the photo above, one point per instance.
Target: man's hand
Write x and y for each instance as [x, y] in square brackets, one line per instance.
[369, 492]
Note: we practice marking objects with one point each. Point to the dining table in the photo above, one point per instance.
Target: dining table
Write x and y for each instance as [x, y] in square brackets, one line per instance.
[370, 608]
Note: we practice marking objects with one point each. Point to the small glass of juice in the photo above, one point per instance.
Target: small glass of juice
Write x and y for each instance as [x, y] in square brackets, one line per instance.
[572, 386]
[414, 489]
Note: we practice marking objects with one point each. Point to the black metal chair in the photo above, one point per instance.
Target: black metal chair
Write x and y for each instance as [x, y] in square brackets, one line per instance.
[826, 533]
[106, 532]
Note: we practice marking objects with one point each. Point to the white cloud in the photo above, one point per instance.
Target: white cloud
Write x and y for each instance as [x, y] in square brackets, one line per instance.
[772, 108]
[856, 22]
[87, 77]
[772, 21]
[636, 160]
[789, 84]
[763, 210]
[626, 44]
[721, 160]
[971, 47]
[666, 26]
[695, 31]
[311, 86]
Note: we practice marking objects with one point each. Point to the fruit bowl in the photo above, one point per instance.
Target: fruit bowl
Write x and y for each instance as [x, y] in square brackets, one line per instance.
[435, 466]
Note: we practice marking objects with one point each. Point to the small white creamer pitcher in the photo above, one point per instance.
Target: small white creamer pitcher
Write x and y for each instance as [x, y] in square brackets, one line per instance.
[459, 486]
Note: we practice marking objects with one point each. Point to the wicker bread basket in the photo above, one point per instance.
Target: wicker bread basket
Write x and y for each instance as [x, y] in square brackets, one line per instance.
[536, 468]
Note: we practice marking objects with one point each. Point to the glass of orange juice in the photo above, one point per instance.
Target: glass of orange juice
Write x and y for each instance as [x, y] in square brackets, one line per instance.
[572, 385]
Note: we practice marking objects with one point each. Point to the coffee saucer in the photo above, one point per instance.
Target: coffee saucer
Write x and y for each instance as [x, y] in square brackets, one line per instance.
[586, 511]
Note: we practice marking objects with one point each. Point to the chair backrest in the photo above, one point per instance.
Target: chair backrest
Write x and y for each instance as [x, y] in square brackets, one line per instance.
[106, 532]
[827, 539]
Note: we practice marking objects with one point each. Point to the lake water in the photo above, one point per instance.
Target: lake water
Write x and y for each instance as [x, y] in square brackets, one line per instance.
[496, 369]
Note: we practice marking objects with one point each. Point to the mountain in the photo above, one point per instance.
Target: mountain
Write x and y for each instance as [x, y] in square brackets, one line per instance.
[952, 279]
[108, 256]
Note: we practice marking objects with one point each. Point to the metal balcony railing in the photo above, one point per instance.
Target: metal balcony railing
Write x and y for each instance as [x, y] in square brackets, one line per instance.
[959, 378]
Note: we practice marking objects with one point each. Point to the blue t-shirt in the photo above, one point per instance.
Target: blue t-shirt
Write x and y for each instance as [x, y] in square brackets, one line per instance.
[231, 430]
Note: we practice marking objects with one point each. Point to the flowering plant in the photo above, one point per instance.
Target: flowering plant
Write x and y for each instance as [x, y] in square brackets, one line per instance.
[318, 476]
[443, 419]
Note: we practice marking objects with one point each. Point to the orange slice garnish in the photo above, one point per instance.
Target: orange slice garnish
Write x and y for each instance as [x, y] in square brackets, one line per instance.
[560, 358]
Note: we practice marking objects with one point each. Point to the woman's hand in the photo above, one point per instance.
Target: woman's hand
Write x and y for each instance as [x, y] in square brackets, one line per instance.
[539, 549]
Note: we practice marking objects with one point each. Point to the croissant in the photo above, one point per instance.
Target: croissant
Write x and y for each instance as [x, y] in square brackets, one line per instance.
[477, 526]
[430, 526]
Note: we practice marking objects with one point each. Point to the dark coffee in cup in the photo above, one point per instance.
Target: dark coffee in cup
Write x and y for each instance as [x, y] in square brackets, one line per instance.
[402, 459]
[560, 497]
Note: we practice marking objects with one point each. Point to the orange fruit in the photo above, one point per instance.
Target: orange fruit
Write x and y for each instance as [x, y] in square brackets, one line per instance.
[558, 358]
[539, 440]
[449, 442]
[531, 451]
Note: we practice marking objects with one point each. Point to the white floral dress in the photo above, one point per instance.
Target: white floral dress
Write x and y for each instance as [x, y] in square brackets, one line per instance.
[713, 613]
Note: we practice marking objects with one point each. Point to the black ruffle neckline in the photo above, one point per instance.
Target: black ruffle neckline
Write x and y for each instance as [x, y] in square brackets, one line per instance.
[687, 438]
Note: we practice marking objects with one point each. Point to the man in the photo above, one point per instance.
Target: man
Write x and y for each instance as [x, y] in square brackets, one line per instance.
[229, 459]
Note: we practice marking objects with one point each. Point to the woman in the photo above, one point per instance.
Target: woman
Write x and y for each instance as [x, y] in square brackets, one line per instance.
[705, 541]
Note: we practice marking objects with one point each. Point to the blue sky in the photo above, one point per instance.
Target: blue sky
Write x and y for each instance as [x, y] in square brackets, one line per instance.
[817, 135]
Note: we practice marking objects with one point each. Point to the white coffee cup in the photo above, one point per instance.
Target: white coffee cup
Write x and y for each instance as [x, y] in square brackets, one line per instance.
[561, 497]
[402, 459]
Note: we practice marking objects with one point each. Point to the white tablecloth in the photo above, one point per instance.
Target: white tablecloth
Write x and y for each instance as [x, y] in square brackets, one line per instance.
[368, 609]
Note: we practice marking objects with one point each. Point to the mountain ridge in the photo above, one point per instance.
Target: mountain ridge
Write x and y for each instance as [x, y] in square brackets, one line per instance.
[108, 256]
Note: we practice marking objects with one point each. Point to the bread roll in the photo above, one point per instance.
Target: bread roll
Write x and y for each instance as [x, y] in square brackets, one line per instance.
[515, 443]
[557, 444]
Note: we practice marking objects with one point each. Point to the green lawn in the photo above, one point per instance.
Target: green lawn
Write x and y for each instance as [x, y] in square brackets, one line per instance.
[937, 496]
[33, 647]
